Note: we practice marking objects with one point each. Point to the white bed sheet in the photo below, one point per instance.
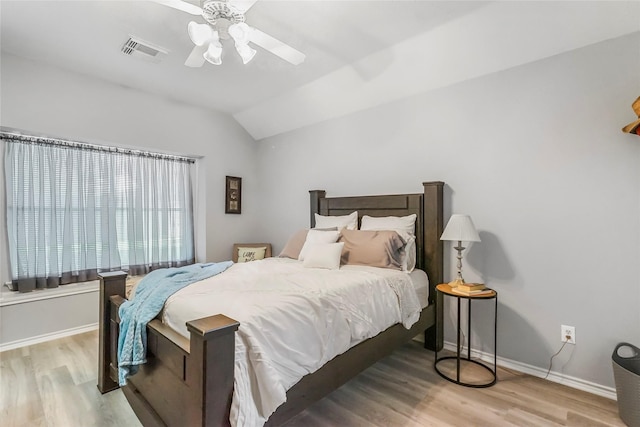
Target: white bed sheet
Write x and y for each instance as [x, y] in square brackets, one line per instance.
[421, 285]
[292, 322]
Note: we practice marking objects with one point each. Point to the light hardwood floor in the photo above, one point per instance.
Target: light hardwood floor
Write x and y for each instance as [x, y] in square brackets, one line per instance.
[54, 384]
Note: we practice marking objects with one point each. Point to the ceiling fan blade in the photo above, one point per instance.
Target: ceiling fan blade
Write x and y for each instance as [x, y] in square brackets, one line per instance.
[196, 58]
[277, 47]
[181, 5]
[243, 5]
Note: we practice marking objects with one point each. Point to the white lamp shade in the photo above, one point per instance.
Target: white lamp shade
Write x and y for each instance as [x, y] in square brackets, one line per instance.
[199, 33]
[214, 52]
[460, 228]
[245, 52]
[240, 32]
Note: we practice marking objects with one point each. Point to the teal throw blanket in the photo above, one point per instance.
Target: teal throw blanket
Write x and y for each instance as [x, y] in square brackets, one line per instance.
[150, 296]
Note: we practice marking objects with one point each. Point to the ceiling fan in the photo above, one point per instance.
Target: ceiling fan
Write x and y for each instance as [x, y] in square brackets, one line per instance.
[225, 20]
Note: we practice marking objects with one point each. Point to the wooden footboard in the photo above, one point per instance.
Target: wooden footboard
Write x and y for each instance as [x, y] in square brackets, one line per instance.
[111, 284]
[185, 381]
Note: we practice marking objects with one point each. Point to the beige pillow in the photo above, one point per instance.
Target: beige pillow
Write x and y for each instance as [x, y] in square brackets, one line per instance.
[375, 248]
[296, 242]
[405, 226]
[294, 245]
[251, 254]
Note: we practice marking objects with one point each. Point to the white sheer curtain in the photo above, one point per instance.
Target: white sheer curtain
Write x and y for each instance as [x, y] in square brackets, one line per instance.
[74, 210]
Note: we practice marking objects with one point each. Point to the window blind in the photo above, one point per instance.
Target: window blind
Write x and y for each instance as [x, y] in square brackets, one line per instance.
[75, 210]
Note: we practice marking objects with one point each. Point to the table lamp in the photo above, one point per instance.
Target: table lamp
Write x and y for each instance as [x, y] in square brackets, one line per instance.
[460, 228]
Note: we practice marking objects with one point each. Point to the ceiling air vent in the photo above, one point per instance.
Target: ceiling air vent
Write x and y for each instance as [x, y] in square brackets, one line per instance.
[139, 48]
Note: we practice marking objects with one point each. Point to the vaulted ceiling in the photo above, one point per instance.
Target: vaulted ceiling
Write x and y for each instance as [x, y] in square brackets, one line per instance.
[359, 53]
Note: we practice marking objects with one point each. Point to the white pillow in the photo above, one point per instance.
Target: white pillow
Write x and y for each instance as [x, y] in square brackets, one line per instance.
[405, 226]
[251, 254]
[324, 255]
[317, 236]
[350, 222]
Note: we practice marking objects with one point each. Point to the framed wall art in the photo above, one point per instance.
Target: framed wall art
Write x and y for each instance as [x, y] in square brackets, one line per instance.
[233, 195]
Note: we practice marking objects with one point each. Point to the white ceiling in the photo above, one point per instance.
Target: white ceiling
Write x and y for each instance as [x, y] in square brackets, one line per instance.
[361, 45]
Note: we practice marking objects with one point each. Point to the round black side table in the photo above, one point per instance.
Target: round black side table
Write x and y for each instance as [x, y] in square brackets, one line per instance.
[447, 290]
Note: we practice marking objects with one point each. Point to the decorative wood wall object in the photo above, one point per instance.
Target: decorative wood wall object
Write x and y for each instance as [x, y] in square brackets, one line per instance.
[233, 195]
[635, 126]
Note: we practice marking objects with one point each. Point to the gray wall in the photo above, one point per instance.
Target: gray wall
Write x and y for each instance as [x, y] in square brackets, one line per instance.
[39, 320]
[58, 103]
[536, 156]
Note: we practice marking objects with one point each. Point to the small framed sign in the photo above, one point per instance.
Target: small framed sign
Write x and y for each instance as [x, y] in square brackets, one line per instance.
[233, 195]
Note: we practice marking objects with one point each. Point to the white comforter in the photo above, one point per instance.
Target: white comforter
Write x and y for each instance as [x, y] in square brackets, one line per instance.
[292, 321]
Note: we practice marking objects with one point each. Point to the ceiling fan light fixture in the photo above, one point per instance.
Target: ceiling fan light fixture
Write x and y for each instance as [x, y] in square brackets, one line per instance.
[245, 52]
[225, 17]
[241, 33]
[214, 52]
[200, 33]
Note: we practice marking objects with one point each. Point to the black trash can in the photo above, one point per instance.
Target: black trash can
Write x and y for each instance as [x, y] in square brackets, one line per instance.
[626, 372]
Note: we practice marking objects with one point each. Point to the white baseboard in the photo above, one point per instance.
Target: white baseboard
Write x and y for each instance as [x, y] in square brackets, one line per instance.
[47, 337]
[556, 377]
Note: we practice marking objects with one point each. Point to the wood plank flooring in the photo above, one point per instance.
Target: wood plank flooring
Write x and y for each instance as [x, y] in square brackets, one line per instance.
[54, 384]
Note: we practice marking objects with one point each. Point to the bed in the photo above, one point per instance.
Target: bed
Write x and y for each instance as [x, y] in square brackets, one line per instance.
[190, 381]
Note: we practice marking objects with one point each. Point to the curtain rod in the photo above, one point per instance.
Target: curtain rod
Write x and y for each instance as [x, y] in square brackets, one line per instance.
[43, 140]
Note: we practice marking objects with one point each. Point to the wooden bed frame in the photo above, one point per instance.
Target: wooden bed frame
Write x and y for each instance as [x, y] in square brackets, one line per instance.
[190, 381]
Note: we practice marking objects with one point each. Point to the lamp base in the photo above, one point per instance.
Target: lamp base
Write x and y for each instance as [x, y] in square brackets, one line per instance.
[457, 282]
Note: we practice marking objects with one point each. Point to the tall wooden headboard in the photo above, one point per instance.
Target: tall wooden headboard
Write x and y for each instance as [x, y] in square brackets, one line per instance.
[429, 223]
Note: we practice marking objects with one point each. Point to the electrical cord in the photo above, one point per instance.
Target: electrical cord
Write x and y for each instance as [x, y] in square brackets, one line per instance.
[557, 353]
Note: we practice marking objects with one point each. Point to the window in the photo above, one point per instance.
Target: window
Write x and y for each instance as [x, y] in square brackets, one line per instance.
[74, 210]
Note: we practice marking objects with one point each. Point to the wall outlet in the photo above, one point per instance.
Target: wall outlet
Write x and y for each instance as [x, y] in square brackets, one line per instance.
[568, 334]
